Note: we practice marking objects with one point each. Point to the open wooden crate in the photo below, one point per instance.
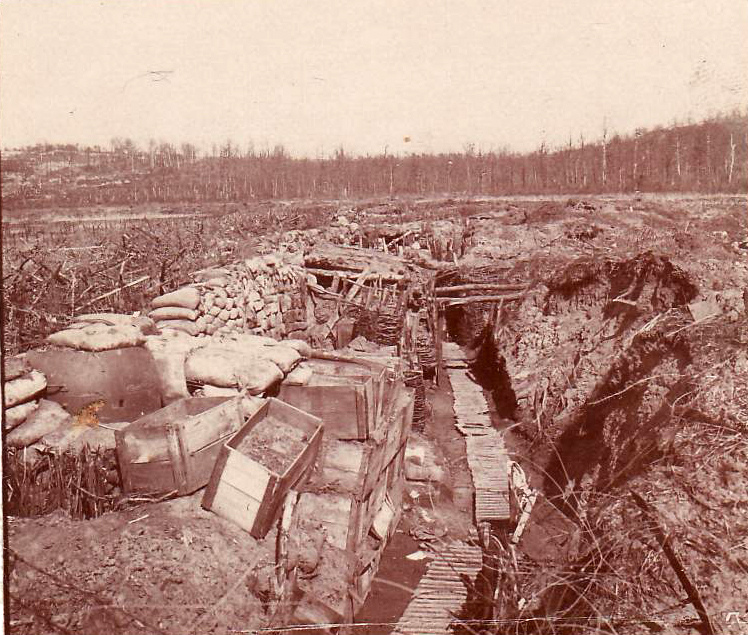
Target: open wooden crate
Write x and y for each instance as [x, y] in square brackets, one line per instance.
[246, 490]
[174, 448]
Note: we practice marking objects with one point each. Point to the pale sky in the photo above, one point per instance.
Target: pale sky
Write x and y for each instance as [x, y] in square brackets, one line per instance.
[365, 74]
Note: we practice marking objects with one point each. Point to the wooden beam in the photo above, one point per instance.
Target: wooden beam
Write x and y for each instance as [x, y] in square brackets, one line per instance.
[358, 284]
[352, 274]
[442, 291]
[113, 291]
[479, 298]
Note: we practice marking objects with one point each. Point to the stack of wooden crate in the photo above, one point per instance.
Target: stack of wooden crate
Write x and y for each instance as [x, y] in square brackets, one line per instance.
[323, 464]
[354, 496]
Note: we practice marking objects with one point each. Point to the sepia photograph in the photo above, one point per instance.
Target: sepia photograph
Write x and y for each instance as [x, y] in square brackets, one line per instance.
[374, 317]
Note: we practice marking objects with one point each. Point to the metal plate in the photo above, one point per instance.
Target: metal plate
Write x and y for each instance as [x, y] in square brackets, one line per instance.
[125, 380]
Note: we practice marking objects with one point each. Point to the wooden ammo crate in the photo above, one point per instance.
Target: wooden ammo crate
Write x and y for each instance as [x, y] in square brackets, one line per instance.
[348, 467]
[247, 492]
[174, 448]
[340, 516]
[398, 421]
[346, 404]
[324, 363]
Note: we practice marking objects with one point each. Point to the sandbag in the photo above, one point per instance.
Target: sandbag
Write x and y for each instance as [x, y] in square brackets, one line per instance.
[13, 417]
[170, 369]
[179, 325]
[300, 345]
[231, 369]
[299, 376]
[173, 313]
[15, 367]
[169, 351]
[247, 339]
[110, 319]
[284, 357]
[66, 437]
[98, 337]
[22, 389]
[186, 297]
[145, 324]
[74, 438]
[49, 417]
[219, 391]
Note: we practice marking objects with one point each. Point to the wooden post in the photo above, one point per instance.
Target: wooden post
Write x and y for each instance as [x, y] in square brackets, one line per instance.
[438, 337]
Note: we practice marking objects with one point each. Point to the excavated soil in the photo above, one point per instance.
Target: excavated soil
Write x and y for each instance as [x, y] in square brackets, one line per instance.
[169, 567]
[274, 444]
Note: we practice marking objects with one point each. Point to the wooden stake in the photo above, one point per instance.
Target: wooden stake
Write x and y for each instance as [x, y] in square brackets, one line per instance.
[675, 562]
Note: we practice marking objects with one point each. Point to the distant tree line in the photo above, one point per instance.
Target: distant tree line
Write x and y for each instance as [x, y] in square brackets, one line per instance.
[709, 156]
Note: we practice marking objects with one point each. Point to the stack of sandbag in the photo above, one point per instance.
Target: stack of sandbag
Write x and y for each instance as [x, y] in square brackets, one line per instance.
[261, 295]
[221, 309]
[177, 310]
[49, 418]
[243, 362]
[21, 391]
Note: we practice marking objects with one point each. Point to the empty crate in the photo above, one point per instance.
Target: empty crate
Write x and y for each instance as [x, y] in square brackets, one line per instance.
[273, 452]
[174, 448]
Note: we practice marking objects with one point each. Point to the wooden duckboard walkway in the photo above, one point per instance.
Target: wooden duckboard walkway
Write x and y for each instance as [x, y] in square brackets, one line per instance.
[441, 592]
[486, 453]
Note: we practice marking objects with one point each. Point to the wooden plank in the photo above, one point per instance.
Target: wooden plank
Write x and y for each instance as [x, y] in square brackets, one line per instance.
[215, 477]
[235, 505]
[439, 335]
[200, 465]
[155, 477]
[199, 431]
[303, 464]
[339, 515]
[245, 475]
[480, 298]
[388, 277]
[448, 290]
[351, 467]
[177, 456]
[143, 445]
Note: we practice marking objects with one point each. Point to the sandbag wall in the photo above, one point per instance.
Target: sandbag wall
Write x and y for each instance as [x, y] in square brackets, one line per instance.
[263, 296]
